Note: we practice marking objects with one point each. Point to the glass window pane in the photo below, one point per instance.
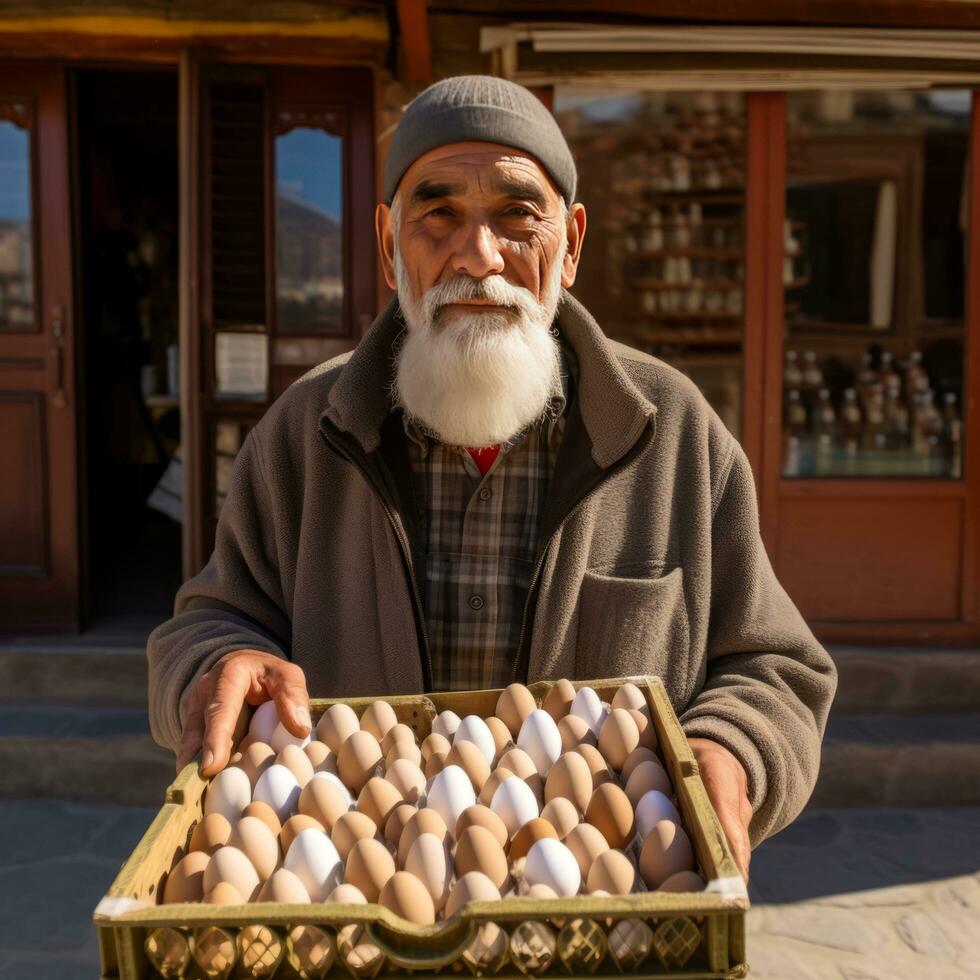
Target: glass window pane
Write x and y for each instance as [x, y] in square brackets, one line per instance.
[229, 436]
[16, 242]
[662, 178]
[309, 223]
[873, 268]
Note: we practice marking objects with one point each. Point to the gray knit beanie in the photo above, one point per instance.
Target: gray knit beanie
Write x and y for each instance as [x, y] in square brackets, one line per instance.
[479, 107]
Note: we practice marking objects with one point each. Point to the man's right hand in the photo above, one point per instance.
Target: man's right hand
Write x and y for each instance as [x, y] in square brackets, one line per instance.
[240, 677]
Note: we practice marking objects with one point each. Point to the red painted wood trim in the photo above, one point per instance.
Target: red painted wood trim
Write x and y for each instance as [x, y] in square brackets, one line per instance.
[416, 46]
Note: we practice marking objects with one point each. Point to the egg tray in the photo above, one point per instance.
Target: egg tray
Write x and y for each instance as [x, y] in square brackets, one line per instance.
[685, 934]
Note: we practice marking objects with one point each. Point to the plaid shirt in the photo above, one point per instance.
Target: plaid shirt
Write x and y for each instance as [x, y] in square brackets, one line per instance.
[479, 535]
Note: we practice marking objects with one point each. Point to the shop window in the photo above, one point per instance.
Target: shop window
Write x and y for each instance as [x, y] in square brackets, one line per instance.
[16, 232]
[227, 437]
[662, 177]
[874, 277]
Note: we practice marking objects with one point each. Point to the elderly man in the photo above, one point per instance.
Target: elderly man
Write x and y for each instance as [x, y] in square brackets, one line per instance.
[488, 489]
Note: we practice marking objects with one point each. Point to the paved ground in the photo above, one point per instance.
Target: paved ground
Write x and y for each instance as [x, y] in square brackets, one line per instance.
[865, 894]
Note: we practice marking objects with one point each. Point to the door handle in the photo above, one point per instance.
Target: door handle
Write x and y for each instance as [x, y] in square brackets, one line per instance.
[58, 351]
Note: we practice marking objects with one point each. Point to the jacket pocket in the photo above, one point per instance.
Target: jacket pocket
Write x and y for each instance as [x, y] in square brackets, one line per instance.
[631, 625]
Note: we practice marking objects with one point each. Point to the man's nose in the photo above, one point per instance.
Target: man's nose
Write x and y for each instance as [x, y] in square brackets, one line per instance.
[477, 253]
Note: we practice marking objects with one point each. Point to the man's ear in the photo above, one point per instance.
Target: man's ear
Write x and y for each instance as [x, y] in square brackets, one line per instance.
[386, 243]
[576, 236]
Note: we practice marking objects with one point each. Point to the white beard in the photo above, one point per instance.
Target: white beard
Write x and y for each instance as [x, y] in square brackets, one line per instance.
[477, 378]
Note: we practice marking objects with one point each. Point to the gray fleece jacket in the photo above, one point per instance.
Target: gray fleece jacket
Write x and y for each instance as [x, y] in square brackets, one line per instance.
[649, 561]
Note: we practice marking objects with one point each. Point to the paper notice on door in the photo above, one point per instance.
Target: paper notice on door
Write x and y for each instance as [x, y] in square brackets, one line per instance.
[241, 365]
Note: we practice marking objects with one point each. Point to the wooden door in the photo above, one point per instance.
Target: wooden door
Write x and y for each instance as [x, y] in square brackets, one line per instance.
[38, 509]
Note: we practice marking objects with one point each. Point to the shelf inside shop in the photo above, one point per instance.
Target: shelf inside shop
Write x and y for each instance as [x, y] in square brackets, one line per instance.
[709, 195]
[661, 286]
[691, 337]
[691, 252]
[699, 316]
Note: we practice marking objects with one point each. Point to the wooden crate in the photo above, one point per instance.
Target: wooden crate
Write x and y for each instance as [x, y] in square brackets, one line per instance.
[693, 935]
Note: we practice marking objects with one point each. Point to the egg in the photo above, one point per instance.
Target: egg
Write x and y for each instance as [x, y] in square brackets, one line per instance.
[229, 792]
[570, 778]
[315, 861]
[682, 881]
[597, 764]
[378, 798]
[348, 829]
[451, 793]
[368, 867]
[347, 894]
[434, 742]
[574, 731]
[478, 850]
[479, 815]
[445, 724]
[436, 763]
[396, 821]
[402, 750]
[666, 852]
[398, 734]
[428, 859]
[609, 811]
[336, 725]
[551, 863]
[558, 701]
[266, 814]
[474, 729]
[588, 707]
[518, 762]
[536, 784]
[629, 696]
[638, 755]
[407, 779]
[321, 758]
[256, 759]
[586, 843]
[185, 883]
[474, 886]
[541, 891]
[425, 821]
[277, 786]
[562, 814]
[281, 737]
[323, 800]
[230, 864]
[618, 737]
[297, 762]
[224, 893]
[515, 703]
[358, 760]
[645, 777]
[612, 872]
[502, 738]
[297, 823]
[490, 786]
[540, 739]
[648, 734]
[470, 758]
[361, 957]
[210, 833]
[652, 807]
[285, 887]
[378, 719]
[515, 804]
[263, 722]
[254, 839]
[407, 897]
[534, 830]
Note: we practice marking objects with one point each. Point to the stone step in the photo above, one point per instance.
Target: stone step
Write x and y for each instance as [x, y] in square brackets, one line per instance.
[95, 754]
[900, 760]
[73, 675]
[900, 680]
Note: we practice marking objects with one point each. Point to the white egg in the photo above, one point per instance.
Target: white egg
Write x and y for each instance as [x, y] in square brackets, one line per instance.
[315, 861]
[339, 783]
[445, 724]
[450, 794]
[652, 807]
[281, 738]
[263, 722]
[474, 729]
[588, 707]
[540, 739]
[515, 803]
[226, 792]
[278, 787]
[551, 863]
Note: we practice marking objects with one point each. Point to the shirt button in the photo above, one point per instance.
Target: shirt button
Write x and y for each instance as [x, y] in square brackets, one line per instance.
[485, 493]
[476, 602]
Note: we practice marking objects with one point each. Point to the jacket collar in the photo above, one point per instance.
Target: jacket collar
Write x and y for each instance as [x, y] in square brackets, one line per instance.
[613, 409]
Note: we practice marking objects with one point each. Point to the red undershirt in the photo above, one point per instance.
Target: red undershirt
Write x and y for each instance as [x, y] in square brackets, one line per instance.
[484, 457]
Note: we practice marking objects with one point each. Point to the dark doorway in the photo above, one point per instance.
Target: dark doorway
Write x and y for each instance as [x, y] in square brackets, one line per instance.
[127, 211]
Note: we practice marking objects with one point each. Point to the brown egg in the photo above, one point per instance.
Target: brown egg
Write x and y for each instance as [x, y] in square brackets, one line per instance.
[490, 786]
[575, 731]
[297, 823]
[474, 886]
[358, 760]
[399, 734]
[629, 696]
[224, 893]
[501, 734]
[571, 778]
[435, 763]
[597, 764]
[265, 813]
[536, 783]
[347, 895]
[378, 798]
[254, 839]
[558, 701]
[407, 897]
[648, 734]
[478, 850]
[613, 872]
[428, 859]
[541, 890]
[618, 737]
[434, 742]
[562, 814]
[336, 725]
[645, 777]
[349, 828]
[638, 755]
[609, 811]
[297, 762]
[323, 800]
[425, 821]
[407, 779]
[402, 750]
[368, 867]
[185, 883]
[586, 843]
[396, 821]
[518, 762]
[256, 759]
[284, 886]
[533, 830]
[479, 815]
[665, 852]
[683, 881]
[232, 865]
[379, 718]
[515, 703]
[321, 757]
[362, 957]
[210, 833]
[470, 758]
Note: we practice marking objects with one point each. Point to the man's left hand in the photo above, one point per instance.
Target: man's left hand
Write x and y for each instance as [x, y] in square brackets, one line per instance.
[727, 786]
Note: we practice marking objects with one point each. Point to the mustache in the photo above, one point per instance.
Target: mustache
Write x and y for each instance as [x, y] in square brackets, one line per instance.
[465, 289]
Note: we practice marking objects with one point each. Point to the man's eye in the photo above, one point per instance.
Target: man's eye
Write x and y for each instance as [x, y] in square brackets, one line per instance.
[437, 210]
[517, 207]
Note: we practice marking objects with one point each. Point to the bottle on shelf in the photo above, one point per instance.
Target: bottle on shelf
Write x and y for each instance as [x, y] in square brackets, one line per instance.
[792, 375]
[897, 416]
[954, 436]
[797, 417]
[875, 424]
[812, 379]
[825, 420]
[887, 374]
[850, 421]
[916, 379]
[866, 377]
